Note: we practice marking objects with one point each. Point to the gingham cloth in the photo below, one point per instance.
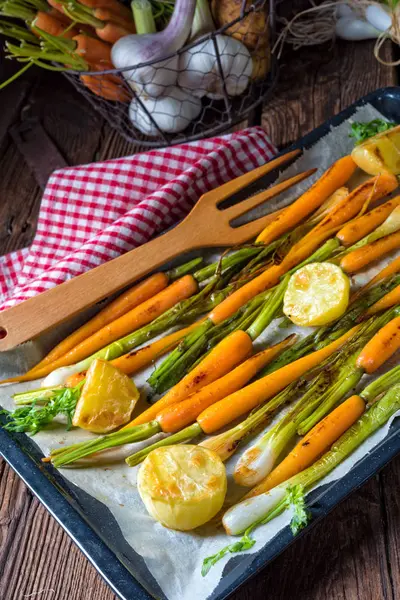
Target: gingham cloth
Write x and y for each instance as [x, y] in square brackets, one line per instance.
[92, 213]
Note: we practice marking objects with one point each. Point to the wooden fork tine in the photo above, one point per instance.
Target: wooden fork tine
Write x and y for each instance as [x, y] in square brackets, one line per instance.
[242, 207]
[229, 188]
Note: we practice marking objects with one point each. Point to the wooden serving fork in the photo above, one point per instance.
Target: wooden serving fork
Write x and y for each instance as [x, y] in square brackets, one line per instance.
[205, 226]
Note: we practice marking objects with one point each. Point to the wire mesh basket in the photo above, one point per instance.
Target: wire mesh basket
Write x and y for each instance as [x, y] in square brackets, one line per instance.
[219, 82]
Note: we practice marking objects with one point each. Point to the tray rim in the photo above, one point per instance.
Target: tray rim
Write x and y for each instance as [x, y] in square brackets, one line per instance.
[68, 514]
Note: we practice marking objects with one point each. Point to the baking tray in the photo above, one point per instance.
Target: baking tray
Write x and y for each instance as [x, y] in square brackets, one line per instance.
[91, 525]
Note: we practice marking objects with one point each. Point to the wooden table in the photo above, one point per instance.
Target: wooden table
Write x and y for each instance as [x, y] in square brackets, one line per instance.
[354, 553]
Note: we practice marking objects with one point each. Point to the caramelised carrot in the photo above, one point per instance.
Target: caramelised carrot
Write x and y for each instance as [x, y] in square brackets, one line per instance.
[391, 269]
[317, 441]
[390, 299]
[234, 406]
[176, 417]
[139, 316]
[381, 347]
[121, 305]
[336, 176]
[230, 352]
[362, 226]
[356, 260]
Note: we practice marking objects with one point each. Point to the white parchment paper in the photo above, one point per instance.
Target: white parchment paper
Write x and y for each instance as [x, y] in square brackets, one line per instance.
[174, 559]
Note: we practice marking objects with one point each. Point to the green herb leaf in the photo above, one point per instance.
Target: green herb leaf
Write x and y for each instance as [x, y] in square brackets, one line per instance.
[295, 500]
[33, 418]
[245, 543]
[362, 131]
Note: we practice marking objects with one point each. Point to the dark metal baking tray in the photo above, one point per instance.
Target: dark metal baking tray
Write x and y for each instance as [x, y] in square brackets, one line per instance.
[93, 528]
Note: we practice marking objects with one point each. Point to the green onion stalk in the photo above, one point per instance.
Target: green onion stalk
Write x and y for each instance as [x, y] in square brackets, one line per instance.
[259, 510]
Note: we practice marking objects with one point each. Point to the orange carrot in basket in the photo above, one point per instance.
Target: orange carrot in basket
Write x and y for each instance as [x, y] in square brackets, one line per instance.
[53, 26]
[336, 176]
[105, 14]
[315, 443]
[93, 51]
[356, 260]
[243, 401]
[230, 352]
[127, 301]
[176, 417]
[362, 226]
[106, 85]
[114, 6]
[112, 32]
[381, 347]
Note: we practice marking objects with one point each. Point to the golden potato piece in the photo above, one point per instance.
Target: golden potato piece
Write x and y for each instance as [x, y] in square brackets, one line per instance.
[182, 486]
[379, 153]
[107, 400]
[317, 294]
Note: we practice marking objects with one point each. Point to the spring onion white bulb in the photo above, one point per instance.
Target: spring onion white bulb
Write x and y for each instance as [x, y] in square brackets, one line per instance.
[238, 518]
[60, 376]
[172, 112]
[255, 464]
[135, 49]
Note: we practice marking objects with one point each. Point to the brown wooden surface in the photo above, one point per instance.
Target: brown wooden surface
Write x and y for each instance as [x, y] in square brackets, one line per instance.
[354, 553]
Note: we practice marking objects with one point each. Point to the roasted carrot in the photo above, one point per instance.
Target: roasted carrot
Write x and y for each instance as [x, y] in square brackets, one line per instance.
[112, 32]
[232, 303]
[362, 226]
[390, 299]
[176, 417]
[230, 352]
[74, 379]
[381, 347]
[93, 51]
[391, 269]
[53, 26]
[121, 305]
[336, 176]
[317, 441]
[356, 260]
[230, 408]
[134, 319]
[136, 360]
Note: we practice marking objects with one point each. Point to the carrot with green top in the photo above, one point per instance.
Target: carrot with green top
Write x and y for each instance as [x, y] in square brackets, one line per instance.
[381, 347]
[362, 226]
[358, 259]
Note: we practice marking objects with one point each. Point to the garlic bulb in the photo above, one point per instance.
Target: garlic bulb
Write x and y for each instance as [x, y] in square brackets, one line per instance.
[199, 70]
[172, 112]
[354, 29]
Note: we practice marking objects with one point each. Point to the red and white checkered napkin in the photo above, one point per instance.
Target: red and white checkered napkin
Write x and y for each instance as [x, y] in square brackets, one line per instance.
[93, 213]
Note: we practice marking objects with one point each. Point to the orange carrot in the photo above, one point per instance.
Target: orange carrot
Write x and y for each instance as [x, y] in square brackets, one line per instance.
[111, 32]
[356, 260]
[93, 51]
[232, 303]
[53, 26]
[176, 417]
[230, 352]
[331, 180]
[317, 441]
[362, 226]
[143, 314]
[114, 6]
[391, 269]
[105, 14]
[121, 305]
[381, 347]
[107, 86]
[243, 401]
[136, 360]
[74, 379]
[390, 299]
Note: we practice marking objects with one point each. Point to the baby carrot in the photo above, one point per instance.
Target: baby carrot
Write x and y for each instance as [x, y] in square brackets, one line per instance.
[176, 417]
[52, 25]
[112, 32]
[329, 182]
[356, 260]
[243, 401]
[317, 441]
[362, 226]
[139, 316]
[230, 352]
[105, 14]
[114, 6]
[93, 51]
[390, 299]
[121, 305]
[381, 347]
[391, 269]
[106, 86]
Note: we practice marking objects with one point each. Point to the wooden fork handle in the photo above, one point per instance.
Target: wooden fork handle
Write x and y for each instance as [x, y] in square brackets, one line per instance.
[28, 319]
